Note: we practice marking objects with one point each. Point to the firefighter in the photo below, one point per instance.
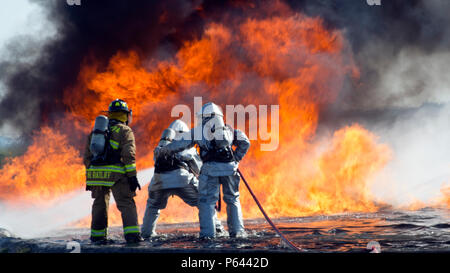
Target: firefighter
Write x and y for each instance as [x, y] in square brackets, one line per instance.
[220, 163]
[114, 172]
[174, 175]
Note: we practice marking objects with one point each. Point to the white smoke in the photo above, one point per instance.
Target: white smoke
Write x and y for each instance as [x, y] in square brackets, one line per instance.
[36, 221]
[410, 79]
[421, 160]
[406, 84]
[417, 84]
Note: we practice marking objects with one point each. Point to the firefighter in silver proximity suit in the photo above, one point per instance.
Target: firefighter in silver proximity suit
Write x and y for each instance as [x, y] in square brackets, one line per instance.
[220, 163]
[174, 175]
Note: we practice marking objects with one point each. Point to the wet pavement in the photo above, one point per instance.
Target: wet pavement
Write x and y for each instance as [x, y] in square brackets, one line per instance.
[425, 230]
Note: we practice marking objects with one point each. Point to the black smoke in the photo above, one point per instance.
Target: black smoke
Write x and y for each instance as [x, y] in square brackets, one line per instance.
[401, 49]
[100, 28]
[97, 28]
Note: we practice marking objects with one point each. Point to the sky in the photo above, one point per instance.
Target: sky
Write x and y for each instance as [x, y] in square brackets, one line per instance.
[17, 17]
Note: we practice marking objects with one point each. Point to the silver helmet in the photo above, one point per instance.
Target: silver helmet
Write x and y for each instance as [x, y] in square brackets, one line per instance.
[180, 128]
[167, 136]
[210, 109]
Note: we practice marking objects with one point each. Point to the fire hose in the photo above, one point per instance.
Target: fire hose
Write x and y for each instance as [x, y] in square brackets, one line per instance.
[286, 240]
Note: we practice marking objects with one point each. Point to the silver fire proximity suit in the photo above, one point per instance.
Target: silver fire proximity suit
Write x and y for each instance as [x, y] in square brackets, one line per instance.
[179, 178]
[216, 170]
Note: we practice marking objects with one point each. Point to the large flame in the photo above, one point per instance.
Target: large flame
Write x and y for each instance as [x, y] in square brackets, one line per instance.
[50, 168]
[285, 59]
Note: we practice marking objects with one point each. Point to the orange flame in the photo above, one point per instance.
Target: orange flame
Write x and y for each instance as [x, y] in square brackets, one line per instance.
[50, 168]
[445, 199]
[343, 182]
[286, 59]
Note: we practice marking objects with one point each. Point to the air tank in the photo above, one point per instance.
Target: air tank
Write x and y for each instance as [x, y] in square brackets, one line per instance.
[217, 131]
[98, 139]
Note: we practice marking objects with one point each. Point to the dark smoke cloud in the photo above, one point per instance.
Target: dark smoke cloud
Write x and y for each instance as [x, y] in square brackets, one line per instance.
[381, 38]
[401, 48]
[97, 28]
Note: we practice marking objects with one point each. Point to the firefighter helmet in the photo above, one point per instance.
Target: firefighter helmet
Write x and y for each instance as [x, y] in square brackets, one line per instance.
[118, 105]
[179, 126]
[210, 109]
[168, 135]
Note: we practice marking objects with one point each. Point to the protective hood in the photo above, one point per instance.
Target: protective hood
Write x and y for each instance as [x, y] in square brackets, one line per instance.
[210, 109]
[179, 126]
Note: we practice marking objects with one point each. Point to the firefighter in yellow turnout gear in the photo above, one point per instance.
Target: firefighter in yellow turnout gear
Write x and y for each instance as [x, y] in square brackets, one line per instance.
[113, 170]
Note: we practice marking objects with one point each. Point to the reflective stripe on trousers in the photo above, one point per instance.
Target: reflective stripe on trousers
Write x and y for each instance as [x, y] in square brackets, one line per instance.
[130, 229]
[98, 232]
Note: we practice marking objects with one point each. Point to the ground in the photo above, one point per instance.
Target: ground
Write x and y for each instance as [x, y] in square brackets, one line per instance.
[426, 230]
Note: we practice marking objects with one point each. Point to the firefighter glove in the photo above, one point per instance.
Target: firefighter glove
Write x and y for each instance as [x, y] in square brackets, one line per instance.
[134, 183]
